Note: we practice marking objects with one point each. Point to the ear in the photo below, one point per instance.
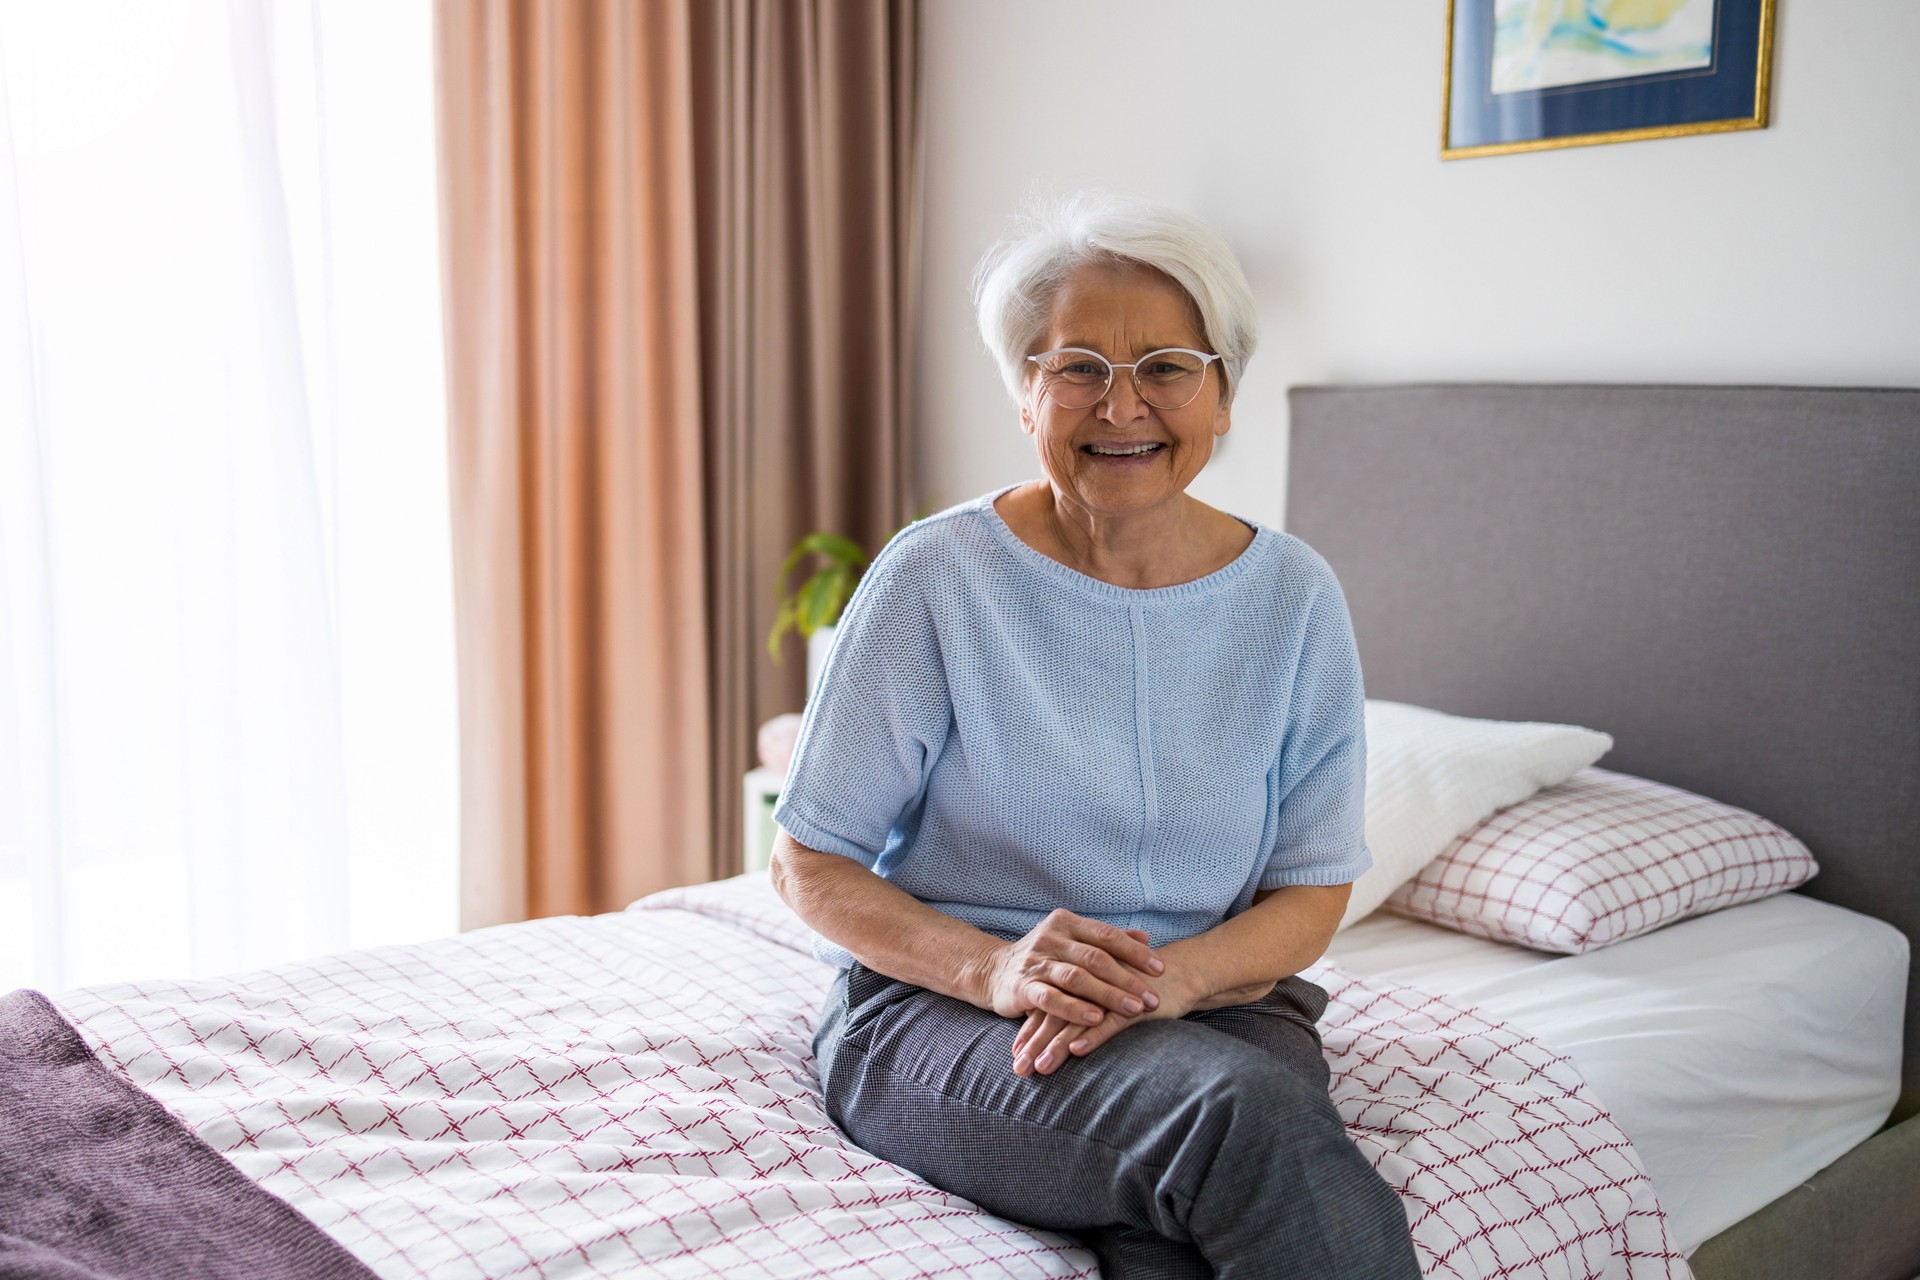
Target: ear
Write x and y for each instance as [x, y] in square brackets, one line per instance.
[1223, 419]
[1026, 416]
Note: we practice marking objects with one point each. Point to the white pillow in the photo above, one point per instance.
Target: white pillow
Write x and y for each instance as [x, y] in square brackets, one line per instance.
[1432, 776]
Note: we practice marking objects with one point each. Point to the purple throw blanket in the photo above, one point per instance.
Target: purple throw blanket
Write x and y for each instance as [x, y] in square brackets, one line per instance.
[99, 1182]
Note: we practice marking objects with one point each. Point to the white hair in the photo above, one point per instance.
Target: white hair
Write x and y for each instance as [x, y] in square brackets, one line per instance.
[1014, 285]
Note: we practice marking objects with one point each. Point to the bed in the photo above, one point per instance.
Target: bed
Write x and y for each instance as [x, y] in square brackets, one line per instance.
[1727, 579]
[631, 1094]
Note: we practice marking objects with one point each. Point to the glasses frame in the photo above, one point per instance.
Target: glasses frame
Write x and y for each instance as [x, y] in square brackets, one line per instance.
[1206, 362]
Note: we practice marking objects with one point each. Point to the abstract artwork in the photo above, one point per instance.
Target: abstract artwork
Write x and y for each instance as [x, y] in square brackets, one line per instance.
[1523, 75]
[1541, 43]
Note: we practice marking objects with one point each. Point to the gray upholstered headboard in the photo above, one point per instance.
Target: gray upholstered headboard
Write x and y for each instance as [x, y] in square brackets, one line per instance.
[1726, 579]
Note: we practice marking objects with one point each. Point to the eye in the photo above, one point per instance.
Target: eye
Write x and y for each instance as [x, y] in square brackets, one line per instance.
[1169, 365]
[1074, 366]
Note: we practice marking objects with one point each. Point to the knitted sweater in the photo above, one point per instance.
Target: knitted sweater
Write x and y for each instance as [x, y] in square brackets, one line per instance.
[1000, 735]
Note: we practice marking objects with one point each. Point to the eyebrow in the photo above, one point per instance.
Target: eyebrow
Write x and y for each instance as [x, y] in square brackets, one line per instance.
[1149, 349]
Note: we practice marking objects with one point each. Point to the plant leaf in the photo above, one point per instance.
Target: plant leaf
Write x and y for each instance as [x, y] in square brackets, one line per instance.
[836, 547]
[794, 557]
[818, 600]
[783, 622]
[845, 578]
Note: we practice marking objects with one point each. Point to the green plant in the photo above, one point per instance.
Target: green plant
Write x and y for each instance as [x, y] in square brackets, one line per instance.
[818, 600]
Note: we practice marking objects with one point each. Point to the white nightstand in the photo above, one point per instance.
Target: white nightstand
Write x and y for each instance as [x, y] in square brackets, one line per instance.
[760, 790]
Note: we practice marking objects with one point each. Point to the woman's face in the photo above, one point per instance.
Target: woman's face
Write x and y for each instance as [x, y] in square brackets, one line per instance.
[1123, 311]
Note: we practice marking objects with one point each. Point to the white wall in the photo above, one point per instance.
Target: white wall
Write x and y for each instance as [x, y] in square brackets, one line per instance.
[1308, 133]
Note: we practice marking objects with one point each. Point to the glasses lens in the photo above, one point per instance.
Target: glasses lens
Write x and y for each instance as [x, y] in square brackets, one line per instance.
[1170, 379]
[1074, 379]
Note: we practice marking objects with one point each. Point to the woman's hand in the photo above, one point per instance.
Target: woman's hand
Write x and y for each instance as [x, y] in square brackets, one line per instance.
[1081, 971]
[1048, 1041]
[1045, 1041]
[1238, 960]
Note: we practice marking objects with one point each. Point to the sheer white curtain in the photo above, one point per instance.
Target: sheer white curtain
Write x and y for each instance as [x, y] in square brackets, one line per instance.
[226, 697]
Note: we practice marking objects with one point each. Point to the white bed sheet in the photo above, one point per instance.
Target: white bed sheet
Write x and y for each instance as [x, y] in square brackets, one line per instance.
[1741, 1052]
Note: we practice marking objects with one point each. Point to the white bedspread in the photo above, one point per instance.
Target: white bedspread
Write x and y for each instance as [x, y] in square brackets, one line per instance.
[633, 1094]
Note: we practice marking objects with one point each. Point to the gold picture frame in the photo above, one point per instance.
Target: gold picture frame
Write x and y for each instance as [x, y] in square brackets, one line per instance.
[1489, 110]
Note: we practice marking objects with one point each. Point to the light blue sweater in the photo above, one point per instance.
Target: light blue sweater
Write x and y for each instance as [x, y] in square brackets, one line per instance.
[1000, 735]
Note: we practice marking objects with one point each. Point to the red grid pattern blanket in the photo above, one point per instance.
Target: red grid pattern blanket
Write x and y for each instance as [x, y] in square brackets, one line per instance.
[633, 1094]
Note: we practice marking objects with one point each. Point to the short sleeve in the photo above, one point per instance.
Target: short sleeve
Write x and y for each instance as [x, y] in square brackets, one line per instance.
[879, 716]
[1321, 777]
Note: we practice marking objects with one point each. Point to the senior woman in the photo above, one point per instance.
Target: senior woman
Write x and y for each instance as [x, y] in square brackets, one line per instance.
[1079, 794]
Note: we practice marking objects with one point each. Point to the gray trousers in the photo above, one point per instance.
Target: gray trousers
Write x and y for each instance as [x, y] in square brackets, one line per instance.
[1198, 1147]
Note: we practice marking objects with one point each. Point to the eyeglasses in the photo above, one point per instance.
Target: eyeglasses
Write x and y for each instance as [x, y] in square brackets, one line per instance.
[1170, 378]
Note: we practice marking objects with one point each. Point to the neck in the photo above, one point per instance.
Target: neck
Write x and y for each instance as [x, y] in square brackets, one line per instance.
[1154, 548]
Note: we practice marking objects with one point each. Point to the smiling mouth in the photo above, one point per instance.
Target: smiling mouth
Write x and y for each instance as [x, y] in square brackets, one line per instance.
[1123, 451]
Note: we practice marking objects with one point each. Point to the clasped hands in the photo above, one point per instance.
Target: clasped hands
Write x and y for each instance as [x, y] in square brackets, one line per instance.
[1079, 982]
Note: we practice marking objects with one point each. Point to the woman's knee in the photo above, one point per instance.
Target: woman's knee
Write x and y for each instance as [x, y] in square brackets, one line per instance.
[1187, 1059]
[1207, 1096]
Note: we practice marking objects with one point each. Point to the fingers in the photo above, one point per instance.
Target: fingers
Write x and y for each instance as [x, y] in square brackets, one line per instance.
[1094, 976]
[1052, 1053]
[1085, 1040]
[1044, 1043]
[1033, 1022]
[1119, 957]
[1080, 970]
[1041, 1045]
[1050, 999]
[1112, 972]
[1129, 946]
[1085, 981]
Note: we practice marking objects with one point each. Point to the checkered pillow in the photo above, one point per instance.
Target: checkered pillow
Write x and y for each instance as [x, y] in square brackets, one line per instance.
[1598, 859]
[1431, 776]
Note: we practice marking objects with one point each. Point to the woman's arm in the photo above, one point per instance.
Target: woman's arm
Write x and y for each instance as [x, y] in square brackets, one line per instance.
[1071, 967]
[1238, 960]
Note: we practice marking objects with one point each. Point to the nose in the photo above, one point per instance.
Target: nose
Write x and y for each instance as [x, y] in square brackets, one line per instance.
[1122, 403]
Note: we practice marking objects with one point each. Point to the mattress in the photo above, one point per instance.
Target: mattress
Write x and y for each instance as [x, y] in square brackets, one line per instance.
[1740, 1052]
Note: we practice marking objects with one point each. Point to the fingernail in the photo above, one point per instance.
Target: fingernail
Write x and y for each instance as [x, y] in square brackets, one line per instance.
[1046, 1060]
[1079, 1046]
[1153, 1001]
[1020, 1063]
[1131, 1005]
[1091, 1017]
[1157, 965]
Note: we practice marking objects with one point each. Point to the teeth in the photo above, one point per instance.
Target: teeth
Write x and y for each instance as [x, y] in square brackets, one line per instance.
[1129, 452]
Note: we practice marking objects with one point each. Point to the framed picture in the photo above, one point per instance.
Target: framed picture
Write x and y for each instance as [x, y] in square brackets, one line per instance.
[1524, 75]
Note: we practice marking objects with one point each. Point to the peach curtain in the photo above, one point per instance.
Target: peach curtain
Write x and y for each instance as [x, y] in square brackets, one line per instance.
[678, 248]
[806, 122]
